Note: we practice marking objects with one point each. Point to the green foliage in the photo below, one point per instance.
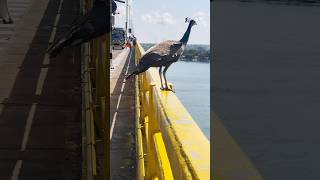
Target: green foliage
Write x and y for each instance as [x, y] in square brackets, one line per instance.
[193, 52]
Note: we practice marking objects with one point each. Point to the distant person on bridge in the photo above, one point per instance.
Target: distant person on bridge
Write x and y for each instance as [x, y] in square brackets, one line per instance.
[4, 12]
[130, 41]
[92, 25]
[164, 54]
[134, 40]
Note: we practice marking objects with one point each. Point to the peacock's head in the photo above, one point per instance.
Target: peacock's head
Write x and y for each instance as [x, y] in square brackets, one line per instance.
[191, 21]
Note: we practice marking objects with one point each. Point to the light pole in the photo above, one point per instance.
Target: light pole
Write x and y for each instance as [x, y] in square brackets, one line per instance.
[130, 20]
[127, 16]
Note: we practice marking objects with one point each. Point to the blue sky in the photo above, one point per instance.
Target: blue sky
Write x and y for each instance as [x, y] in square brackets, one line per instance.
[158, 20]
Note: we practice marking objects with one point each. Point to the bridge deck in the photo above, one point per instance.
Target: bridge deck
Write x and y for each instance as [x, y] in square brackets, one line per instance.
[40, 100]
[122, 118]
[17, 8]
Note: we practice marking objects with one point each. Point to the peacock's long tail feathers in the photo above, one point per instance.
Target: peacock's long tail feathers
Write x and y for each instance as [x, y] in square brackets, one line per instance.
[133, 73]
[139, 69]
[56, 48]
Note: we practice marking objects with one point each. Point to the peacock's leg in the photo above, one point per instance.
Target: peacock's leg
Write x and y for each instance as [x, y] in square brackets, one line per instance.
[165, 78]
[160, 74]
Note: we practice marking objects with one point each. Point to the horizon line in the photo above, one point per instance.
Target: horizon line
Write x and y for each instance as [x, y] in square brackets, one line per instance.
[187, 44]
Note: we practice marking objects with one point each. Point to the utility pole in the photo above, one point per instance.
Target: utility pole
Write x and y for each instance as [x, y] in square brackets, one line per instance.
[130, 22]
[127, 16]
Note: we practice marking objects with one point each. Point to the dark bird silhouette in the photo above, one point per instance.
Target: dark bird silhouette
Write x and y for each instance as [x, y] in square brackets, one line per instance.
[163, 55]
[4, 12]
[92, 25]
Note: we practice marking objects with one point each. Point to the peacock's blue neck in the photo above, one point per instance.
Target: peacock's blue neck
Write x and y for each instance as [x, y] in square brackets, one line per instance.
[185, 37]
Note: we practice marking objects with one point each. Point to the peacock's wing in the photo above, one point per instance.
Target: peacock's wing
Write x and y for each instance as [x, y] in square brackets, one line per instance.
[161, 53]
[177, 52]
[174, 49]
[150, 59]
[164, 48]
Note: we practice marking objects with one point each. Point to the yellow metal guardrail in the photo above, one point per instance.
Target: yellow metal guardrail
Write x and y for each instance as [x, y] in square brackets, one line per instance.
[95, 70]
[170, 145]
[230, 161]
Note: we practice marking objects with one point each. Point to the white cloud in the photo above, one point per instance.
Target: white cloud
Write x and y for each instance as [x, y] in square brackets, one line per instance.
[120, 18]
[164, 18]
[122, 12]
[202, 18]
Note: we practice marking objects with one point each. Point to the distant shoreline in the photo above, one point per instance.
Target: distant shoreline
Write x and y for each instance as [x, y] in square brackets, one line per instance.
[192, 53]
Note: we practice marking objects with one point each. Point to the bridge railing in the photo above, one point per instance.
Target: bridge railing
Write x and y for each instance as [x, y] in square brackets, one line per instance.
[95, 83]
[170, 145]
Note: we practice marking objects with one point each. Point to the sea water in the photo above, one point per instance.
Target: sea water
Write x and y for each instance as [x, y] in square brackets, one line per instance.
[191, 82]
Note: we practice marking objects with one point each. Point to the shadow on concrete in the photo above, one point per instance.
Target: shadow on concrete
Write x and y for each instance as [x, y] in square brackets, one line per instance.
[54, 147]
[122, 150]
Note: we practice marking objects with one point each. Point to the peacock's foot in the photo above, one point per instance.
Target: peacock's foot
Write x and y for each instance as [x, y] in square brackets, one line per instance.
[167, 89]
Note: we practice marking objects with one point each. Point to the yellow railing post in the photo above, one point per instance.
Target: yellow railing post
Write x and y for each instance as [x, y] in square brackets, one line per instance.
[163, 165]
[139, 141]
[100, 103]
[98, 67]
[152, 129]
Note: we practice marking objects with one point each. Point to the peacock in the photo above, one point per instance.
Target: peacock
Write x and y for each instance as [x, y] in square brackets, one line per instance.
[163, 55]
